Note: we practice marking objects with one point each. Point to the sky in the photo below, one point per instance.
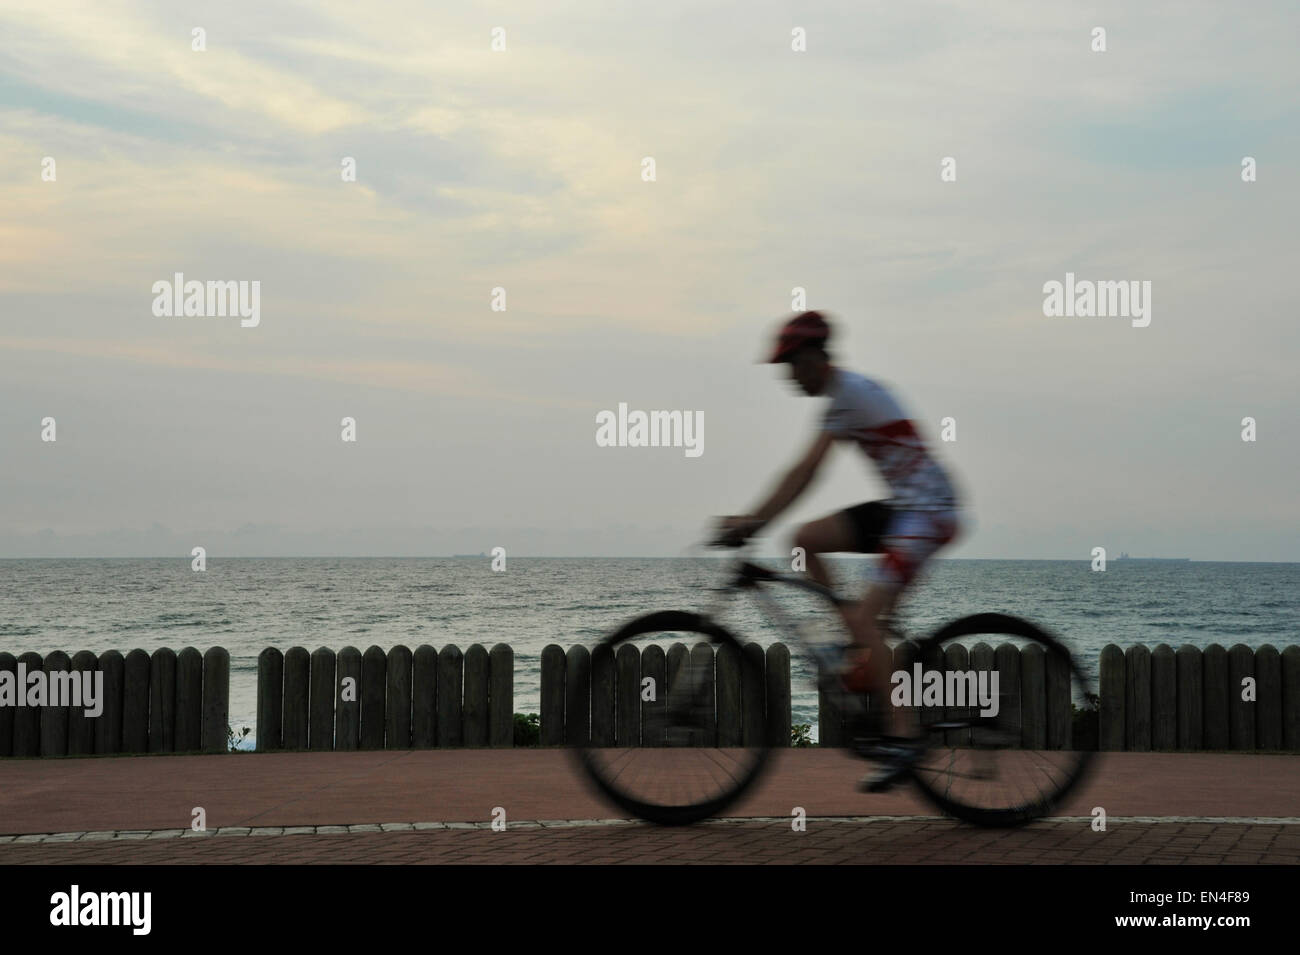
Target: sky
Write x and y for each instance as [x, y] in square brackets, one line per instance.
[523, 169]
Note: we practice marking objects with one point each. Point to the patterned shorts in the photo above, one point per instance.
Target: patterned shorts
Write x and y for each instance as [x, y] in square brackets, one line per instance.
[906, 539]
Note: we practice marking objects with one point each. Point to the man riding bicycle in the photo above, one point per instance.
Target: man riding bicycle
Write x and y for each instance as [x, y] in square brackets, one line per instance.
[920, 517]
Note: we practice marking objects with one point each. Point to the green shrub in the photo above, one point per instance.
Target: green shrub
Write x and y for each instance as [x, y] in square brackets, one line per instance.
[528, 729]
[233, 740]
[1085, 722]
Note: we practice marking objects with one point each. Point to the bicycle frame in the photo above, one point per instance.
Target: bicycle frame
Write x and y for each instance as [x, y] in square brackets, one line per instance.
[748, 576]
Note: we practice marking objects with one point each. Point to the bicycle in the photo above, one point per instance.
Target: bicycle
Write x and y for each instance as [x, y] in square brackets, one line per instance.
[685, 755]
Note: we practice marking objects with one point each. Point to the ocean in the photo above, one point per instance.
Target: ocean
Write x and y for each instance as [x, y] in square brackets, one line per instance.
[248, 604]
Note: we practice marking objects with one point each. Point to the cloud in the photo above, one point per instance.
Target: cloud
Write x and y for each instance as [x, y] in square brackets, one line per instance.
[522, 171]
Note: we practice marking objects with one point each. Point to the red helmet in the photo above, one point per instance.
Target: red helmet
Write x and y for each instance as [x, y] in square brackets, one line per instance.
[804, 329]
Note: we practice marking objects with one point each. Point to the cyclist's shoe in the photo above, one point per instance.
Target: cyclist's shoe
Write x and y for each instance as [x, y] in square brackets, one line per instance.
[898, 755]
[866, 732]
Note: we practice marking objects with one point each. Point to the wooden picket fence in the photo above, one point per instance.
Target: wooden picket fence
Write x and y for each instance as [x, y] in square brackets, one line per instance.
[596, 695]
[1034, 693]
[1193, 699]
[378, 700]
[168, 702]
[1148, 700]
[164, 702]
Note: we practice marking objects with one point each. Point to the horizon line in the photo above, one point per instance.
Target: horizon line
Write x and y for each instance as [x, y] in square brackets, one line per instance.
[720, 556]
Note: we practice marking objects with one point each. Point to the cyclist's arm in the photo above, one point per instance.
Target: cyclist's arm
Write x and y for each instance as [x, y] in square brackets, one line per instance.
[796, 479]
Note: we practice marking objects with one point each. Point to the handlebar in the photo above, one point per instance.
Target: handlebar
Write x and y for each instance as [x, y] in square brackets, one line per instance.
[734, 538]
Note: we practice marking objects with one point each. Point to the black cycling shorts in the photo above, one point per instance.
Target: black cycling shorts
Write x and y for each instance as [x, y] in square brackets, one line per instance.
[870, 521]
[906, 538]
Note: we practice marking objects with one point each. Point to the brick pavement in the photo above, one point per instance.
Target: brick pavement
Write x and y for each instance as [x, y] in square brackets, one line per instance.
[826, 842]
[137, 810]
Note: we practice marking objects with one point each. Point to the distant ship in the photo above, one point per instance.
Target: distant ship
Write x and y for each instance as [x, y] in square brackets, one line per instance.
[469, 555]
[1176, 560]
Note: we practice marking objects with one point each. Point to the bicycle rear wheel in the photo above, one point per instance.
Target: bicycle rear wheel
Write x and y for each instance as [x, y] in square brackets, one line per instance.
[1009, 767]
[688, 733]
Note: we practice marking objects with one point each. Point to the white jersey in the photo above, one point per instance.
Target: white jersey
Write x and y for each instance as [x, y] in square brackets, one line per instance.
[863, 411]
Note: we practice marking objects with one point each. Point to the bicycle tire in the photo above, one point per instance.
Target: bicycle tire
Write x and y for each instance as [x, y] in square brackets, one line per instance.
[593, 759]
[930, 781]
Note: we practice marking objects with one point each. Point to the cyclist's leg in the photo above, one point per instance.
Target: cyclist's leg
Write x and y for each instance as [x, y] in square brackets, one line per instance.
[833, 534]
[911, 539]
[870, 650]
[854, 530]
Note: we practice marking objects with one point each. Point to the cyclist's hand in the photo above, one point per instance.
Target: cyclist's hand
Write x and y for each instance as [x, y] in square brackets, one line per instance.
[734, 531]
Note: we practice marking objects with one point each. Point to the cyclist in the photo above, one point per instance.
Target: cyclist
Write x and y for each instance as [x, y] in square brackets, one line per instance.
[920, 517]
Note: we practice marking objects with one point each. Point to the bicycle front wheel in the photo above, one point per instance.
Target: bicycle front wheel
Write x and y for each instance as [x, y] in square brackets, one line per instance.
[997, 723]
[676, 735]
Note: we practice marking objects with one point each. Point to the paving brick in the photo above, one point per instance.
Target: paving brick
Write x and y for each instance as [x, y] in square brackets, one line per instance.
[302, 801]
[934, 842]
